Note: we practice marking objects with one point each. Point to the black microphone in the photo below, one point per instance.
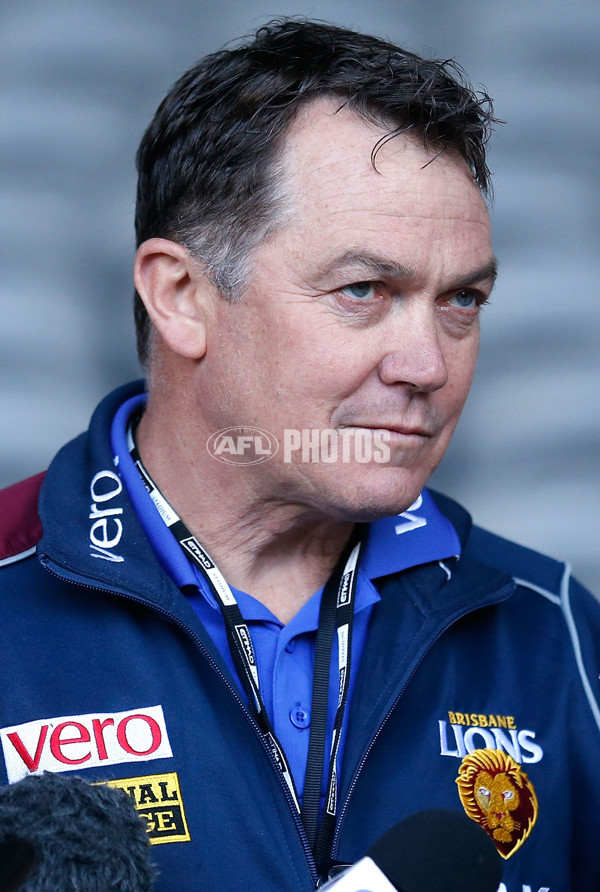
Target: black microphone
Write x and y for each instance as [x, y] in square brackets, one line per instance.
[431, 851]
[61, 833]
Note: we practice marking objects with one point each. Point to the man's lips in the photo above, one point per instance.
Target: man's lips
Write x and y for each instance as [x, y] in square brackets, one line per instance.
[400, 430]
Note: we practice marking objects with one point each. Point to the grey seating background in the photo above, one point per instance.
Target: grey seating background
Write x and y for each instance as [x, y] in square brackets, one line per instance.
[80, 81]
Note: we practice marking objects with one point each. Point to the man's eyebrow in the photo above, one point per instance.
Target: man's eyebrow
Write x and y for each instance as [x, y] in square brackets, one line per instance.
[375, 265]
[370, 264]
[486, 273]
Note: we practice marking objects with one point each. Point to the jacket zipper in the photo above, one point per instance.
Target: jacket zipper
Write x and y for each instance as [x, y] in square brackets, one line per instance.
[201, 647]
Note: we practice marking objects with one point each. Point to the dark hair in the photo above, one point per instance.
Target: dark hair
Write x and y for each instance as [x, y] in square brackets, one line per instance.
[208, 163]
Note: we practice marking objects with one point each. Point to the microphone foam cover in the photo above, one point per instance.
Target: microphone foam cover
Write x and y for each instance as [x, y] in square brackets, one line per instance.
[438, 851]
[83, 837]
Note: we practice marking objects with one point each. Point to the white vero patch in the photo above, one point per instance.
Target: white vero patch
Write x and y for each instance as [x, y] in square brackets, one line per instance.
[85, 741]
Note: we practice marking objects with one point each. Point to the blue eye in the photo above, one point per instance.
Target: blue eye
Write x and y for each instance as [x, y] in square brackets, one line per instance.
[359, 290]
[466, 300]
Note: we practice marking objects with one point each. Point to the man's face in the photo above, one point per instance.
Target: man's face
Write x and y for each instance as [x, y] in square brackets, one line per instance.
[361, 317]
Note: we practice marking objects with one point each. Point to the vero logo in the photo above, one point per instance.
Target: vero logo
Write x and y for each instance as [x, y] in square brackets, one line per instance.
[85, 741]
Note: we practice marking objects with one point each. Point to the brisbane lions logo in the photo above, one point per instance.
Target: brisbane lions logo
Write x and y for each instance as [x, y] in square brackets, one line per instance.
[497, 794]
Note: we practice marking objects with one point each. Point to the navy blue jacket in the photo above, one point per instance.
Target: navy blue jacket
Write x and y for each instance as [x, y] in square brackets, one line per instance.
[489, 676]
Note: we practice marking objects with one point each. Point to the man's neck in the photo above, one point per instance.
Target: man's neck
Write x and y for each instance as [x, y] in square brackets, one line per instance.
[279, 553]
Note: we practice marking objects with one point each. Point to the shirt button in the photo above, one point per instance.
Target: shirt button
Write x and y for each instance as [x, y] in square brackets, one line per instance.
[290, 646]
[300, 717]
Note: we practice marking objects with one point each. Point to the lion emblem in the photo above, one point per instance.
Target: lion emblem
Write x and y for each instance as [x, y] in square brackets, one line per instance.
[497, 794]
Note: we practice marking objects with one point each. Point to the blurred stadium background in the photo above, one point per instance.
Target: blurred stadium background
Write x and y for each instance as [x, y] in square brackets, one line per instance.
[81, 79]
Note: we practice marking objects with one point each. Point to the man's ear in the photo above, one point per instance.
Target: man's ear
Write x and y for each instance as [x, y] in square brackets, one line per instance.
[174, 292]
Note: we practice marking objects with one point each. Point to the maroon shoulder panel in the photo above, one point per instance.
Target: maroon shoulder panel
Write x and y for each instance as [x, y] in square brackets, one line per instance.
[20, 526]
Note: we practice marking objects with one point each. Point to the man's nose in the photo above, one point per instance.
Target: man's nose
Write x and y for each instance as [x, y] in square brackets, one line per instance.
[415, 356]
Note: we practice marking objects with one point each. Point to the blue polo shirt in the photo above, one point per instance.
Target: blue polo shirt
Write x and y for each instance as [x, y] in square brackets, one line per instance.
[285, 653]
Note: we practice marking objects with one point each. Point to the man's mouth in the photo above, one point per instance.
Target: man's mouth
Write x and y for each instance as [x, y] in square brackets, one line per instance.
[393, 430]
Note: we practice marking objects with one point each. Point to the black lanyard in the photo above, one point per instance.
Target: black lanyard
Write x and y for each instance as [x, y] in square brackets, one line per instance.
[336, 615]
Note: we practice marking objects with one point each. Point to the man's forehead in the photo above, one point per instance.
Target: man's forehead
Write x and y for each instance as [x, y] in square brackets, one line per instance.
[328, 142]
[323, 125]
[386, 220]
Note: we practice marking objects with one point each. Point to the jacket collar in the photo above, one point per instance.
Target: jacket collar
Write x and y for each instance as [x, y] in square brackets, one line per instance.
[90, 531]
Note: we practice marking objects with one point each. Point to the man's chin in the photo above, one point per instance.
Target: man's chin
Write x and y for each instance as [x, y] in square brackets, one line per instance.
[373, 494]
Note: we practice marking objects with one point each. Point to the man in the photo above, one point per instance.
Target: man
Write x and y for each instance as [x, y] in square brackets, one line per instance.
[235, 598]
